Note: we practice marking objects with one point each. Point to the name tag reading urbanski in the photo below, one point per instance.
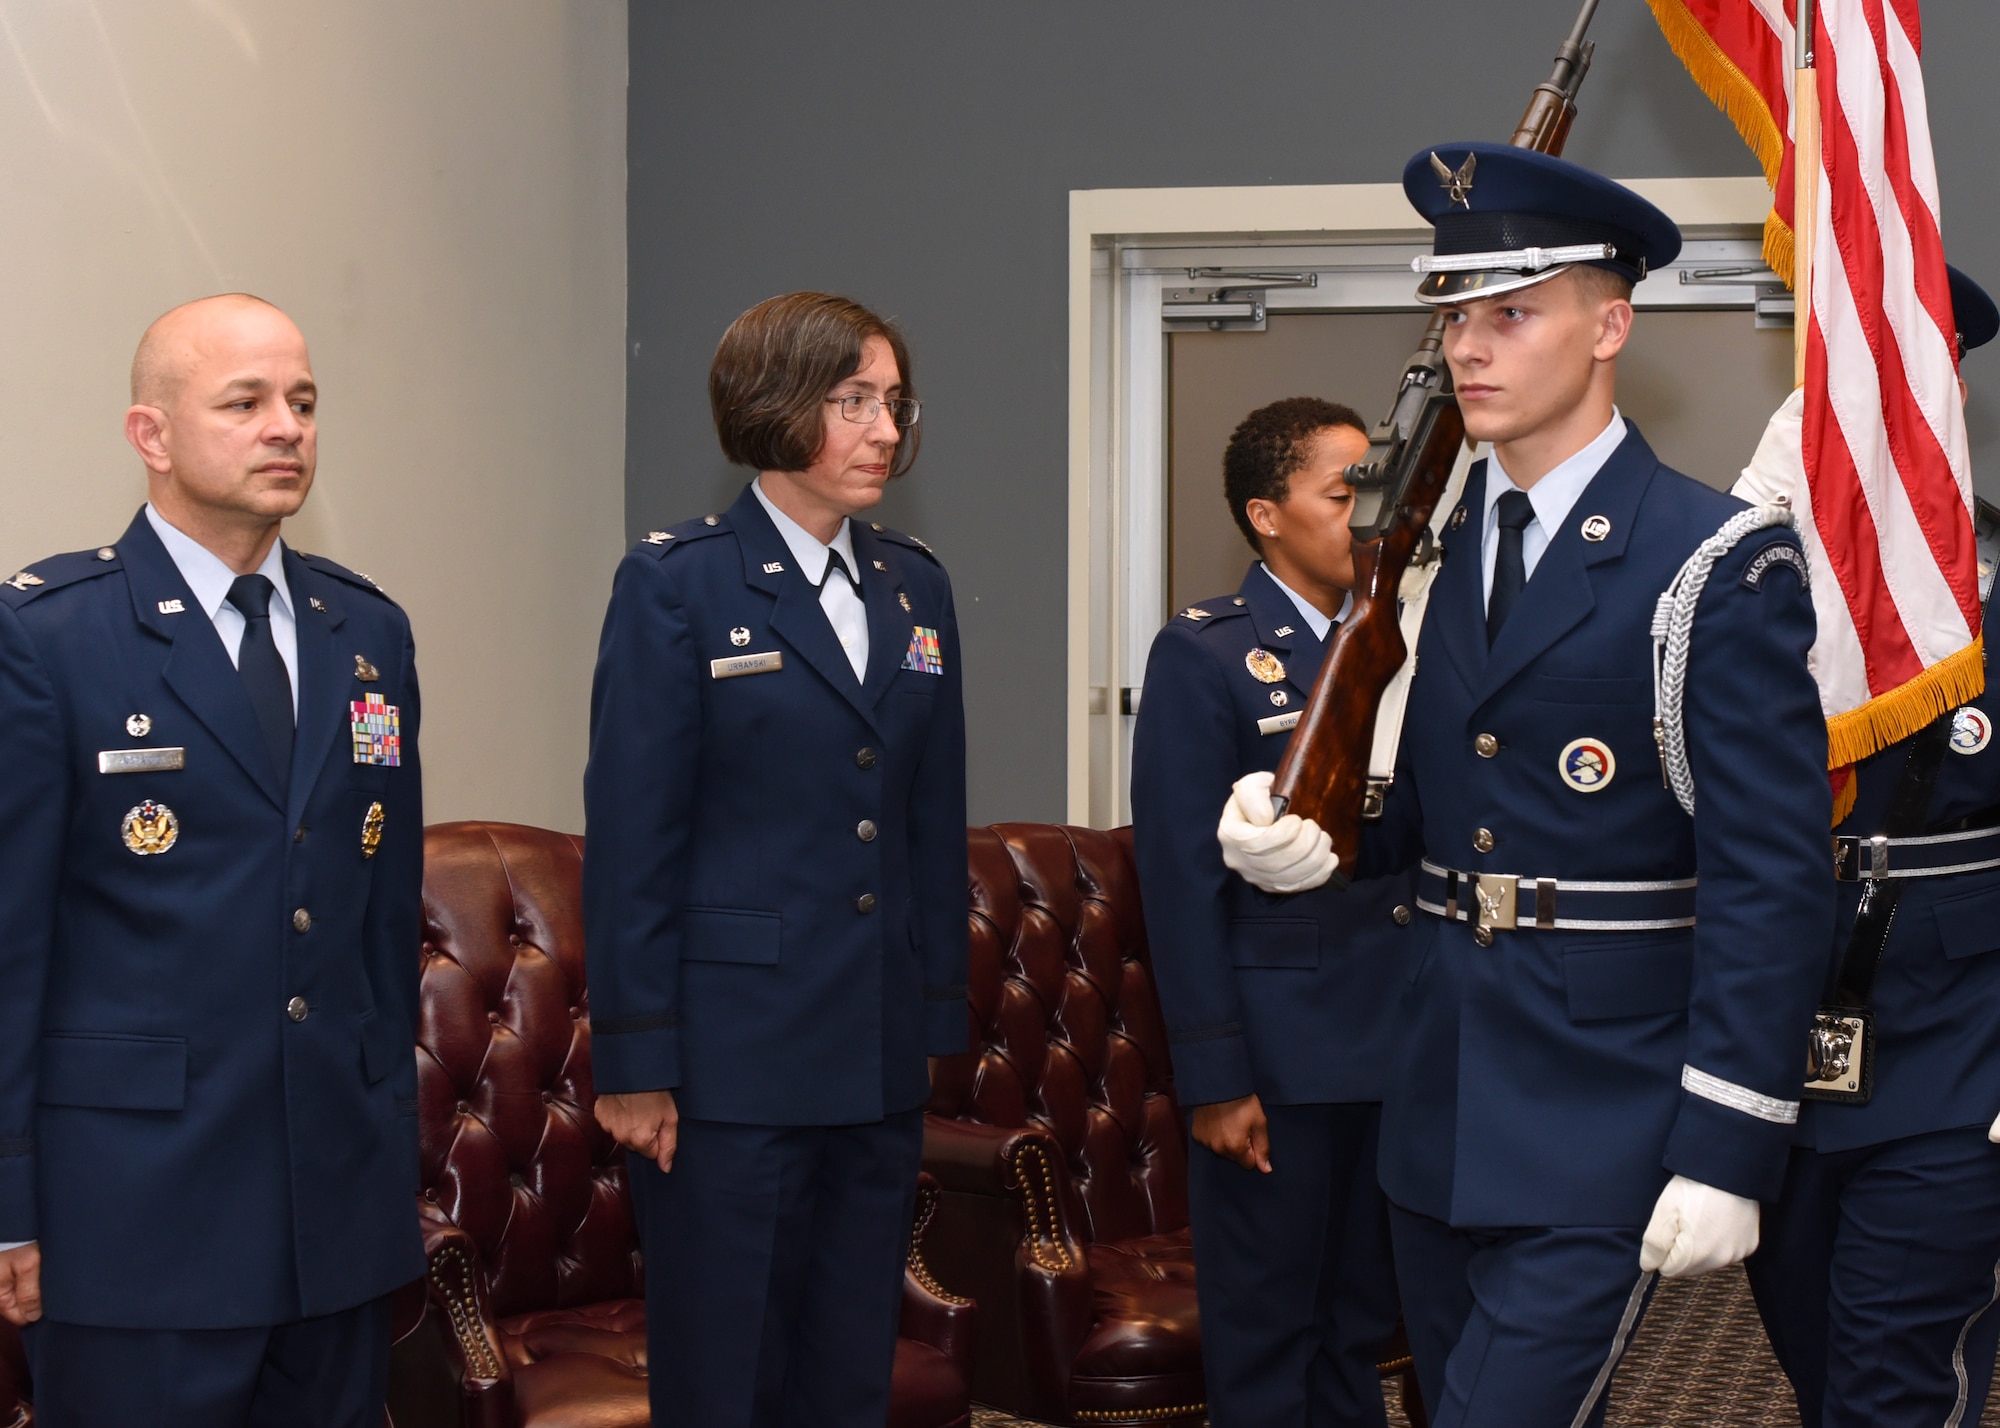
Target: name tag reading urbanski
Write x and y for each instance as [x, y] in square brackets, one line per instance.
[116, 761]
[770, 662]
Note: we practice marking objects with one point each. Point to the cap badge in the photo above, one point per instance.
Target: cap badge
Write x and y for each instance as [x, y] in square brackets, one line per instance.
[1587, 765]
[150, 828]
[1596, 528]
[1264, 666]
[1971, 730]
[1458, 185]
[371, 830]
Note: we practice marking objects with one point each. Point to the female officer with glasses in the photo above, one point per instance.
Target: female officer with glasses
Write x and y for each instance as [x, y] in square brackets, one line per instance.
[774, 886]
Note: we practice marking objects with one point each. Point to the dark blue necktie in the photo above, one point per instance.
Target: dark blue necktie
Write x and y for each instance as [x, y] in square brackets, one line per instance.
[833, 563]
[1510, 570]
[263, 671]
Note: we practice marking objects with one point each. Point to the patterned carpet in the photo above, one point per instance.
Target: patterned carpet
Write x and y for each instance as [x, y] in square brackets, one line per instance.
[1700, 1360]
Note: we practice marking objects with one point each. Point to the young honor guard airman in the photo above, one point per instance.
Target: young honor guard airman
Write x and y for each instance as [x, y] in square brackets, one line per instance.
[212, 834]
[1281, 1011]
[1621, 935]
[1876, 1276]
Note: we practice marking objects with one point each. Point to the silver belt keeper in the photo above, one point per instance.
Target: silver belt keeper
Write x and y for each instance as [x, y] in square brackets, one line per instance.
[1545, 903]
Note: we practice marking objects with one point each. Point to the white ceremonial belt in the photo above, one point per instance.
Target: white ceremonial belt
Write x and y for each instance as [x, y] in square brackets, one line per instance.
[1505, 902]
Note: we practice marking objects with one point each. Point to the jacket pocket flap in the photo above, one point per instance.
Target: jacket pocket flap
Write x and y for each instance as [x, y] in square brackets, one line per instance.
[1274, 942]
[724, 934]
[378, 1047]
[114, 1073]
[1628, 977]
[1970, 923]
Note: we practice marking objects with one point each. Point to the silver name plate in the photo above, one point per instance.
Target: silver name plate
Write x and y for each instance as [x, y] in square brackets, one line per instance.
[770, 662]
[1279, 723]
[141, 760]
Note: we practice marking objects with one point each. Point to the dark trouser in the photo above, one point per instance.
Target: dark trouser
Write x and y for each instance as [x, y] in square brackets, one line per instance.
[1292, 1270]
[329, 1372]
[1876, 1278]
[774, 1271]
[1512, 1328]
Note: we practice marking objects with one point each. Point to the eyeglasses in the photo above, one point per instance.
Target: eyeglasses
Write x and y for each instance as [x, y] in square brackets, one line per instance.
[859, 407]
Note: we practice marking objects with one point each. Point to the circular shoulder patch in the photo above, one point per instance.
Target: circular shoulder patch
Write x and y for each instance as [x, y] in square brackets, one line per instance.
[1587, 765]
[1971, 730]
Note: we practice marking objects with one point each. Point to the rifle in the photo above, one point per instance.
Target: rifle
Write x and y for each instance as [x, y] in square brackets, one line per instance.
[1324, 775]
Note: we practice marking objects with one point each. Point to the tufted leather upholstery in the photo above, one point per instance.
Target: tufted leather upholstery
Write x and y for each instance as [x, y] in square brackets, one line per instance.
[1060, 1147]
[535, 1278]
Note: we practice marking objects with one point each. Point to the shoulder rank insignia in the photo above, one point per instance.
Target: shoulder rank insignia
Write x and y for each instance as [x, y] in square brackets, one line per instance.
[1194, 612]
[658, 537]
[23, 580]
[1264, 666]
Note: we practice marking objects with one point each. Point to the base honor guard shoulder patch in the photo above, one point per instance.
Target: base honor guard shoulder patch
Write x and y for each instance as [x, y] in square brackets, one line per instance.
[378, 732]
[923, 655]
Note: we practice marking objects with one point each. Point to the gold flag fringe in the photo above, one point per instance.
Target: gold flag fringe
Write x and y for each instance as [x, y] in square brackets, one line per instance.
[1843, 798]
[1780, 252]
[1954, 680]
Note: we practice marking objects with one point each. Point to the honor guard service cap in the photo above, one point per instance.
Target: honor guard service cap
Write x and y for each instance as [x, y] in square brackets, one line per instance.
[1977, 318]
[1507, 218]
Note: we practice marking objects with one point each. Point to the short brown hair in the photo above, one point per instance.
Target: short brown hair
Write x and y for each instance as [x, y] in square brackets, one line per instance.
[1268, 446]
[774, 368]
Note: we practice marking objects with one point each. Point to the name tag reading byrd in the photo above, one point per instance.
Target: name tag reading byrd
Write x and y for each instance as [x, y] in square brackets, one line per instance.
[770, 662]
[111, 761]
[1279, 723]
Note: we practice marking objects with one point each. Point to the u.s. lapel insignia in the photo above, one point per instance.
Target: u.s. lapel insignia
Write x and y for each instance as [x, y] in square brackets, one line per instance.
[377, 728]
[317, 603]
[1282, 631]
[1971, 730]
[23, 580]
[1264, 666]
[903, 600]
[1587, 765]
[774, 567]
[170, 607]
[371, 830]
[364, 671]
[150, 828]
[924, 656]
[1596, 528]
[740, 636]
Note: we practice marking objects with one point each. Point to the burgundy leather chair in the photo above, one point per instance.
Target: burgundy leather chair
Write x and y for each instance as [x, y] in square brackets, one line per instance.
[1060, 1147]
[535, 1279]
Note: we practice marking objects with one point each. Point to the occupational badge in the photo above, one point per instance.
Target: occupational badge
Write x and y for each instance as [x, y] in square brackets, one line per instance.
[1971, 730]
[903, 600]
[150, 828]
[881, 565]
[378, 732]
[371, 830]
[364, 671]
[923, 655]
[1596, 528]
[317, 603]
[1587, 765]
[1264, 666]
[739, 637]
[139, 725]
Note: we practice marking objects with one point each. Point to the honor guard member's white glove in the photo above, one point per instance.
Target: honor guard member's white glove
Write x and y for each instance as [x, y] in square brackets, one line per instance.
[1696, 1228]
[1279, 855]
[1993, 1132]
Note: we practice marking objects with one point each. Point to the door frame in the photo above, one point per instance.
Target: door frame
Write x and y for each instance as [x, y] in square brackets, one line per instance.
[1102, 222]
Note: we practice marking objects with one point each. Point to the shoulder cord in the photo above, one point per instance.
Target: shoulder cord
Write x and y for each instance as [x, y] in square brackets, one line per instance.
[1673, 628]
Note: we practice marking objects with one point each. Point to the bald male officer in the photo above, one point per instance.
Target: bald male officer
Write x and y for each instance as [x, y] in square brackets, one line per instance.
[1876, 1276]
[1601, 1073]
[212, 830]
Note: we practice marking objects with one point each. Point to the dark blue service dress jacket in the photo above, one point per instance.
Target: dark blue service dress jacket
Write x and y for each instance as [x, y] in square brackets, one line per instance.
[1936, 996]
[207, 1064]
[775, 887]
[1543, 1079]
[1290, 997]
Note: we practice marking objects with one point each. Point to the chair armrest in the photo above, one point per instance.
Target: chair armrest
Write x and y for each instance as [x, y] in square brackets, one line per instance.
[931, 1313]
[456, 1284]
[1001, 1233]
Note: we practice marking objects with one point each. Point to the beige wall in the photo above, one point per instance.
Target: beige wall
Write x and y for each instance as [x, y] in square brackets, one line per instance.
[436, 192]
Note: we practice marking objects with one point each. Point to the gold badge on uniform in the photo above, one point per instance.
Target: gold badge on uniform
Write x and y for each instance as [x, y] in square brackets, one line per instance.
[1264, 666]
[150, 828]
[371, 830]
[904, 601]
[364, 671]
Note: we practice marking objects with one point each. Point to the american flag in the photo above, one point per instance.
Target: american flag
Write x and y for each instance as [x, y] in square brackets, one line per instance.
[1871, 451]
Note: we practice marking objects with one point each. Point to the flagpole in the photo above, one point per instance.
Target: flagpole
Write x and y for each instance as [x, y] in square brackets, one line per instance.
[1805, 186]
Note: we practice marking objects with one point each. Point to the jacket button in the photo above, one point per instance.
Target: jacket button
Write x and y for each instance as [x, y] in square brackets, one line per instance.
[1401, 915]
[865, 903]
[865, 830]
[302, 921]
[1487, 746]
[865, 758]
[300, 835]
[1483, 840]
[296, 1008]
[1483, 936]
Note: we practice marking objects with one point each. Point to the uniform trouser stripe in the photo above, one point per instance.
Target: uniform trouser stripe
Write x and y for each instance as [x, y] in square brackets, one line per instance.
[1633, 1304]
[1958, 1355]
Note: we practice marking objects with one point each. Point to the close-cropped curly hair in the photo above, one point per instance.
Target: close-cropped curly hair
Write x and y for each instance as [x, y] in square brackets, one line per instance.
[1268, 446]
[775, 367]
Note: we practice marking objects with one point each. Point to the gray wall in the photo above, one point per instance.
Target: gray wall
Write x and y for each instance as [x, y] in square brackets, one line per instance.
[918, 157]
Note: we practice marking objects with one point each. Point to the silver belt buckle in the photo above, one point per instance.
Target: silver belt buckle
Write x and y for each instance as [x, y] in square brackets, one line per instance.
[1498, 895]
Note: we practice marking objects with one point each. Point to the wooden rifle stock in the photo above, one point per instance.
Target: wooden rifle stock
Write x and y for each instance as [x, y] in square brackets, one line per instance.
[1324, 774]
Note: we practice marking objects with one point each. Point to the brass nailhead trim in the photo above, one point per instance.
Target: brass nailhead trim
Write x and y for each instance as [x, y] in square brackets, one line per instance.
[1045, 1240]
[920, 1271]
[1140, 1415]
[462, 1304]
